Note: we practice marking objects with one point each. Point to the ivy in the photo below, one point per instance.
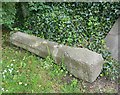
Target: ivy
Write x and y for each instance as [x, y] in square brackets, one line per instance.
[8, 14]
[81, 24]
[76, 24]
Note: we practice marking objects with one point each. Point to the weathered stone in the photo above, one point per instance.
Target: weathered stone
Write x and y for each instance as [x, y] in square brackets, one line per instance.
[112, 40]
[60, 53]
[80, 62]
[83, 63]
[33, 44]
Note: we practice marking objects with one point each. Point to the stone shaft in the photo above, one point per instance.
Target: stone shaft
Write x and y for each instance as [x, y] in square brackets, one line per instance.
[80, 62]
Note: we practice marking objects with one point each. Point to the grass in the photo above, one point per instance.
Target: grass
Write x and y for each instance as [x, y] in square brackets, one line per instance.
[24, 72]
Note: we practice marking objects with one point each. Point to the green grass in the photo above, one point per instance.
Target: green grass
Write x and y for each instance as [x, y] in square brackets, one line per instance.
[24, 72]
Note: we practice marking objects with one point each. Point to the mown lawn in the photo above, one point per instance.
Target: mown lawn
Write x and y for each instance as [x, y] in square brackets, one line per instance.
[24, 72]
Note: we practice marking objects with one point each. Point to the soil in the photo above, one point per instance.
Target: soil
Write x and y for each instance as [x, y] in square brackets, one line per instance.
[101, 85]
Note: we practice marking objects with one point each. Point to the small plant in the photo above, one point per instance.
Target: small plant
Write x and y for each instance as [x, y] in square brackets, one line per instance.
[74, 83]
[8, 14]
[72, 87]
[111, 69]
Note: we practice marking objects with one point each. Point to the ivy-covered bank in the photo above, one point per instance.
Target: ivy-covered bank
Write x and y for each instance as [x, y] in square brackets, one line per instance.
[78, 24]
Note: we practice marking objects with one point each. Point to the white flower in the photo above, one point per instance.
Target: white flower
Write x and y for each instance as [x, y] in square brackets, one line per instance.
[20, 83]
[13, 60]
[17, 71]
[39, 85]
[6, 90]
[10, 70]
[5, 71]
[25, 84]
[3, 76]
[11, 64]
[2, 89]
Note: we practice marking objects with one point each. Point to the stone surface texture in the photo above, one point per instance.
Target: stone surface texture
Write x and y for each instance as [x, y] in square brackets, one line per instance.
[80, 62]
[112, 40]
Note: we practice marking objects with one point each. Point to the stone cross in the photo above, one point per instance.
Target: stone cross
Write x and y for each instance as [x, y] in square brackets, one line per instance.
[80, 62]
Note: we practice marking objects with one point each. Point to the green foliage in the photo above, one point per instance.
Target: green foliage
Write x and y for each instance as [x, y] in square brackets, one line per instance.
[81, 24]
[72, 87]
[24, 72]
[111, 69]
[55, 69]
[72, 23]
[8, 14]
[75, 24]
